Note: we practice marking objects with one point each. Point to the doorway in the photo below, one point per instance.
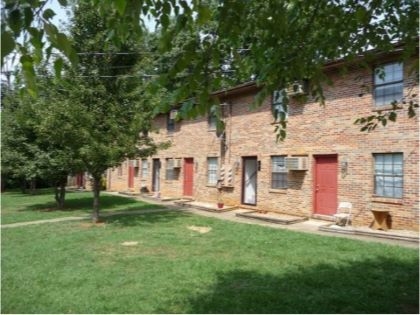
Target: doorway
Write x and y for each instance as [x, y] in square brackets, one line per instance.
[130, 176]
[249, 180]
[325, 184]
[156, 175]
[188, 176]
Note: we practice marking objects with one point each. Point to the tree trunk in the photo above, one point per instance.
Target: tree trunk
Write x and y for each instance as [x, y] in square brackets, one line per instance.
[23, 186]
[60, 194]
[33, 186]
[96, 192]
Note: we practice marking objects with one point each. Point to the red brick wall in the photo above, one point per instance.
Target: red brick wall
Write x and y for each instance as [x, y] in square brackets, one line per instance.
[312, 130]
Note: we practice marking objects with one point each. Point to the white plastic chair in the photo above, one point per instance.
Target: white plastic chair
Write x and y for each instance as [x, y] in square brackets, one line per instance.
[343, 215]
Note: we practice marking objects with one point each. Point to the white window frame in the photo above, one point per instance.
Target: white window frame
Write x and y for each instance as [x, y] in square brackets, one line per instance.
[144, 168]
[388, 175]
[169, 170]
[212, 170]
[278, 167]
[388, 80]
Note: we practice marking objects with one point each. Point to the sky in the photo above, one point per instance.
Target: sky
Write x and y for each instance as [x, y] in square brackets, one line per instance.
[60, 18]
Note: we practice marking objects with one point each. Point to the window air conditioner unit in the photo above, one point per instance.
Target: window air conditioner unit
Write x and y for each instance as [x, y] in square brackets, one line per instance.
[296, 163]
[177, 163]
[298, 88]
[135, 163]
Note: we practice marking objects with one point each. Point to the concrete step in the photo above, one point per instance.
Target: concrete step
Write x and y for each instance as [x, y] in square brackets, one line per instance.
[272, 217]
[129, 193]
[206, 206]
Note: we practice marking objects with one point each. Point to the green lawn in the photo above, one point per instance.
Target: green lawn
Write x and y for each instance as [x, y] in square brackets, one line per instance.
[17, 207]
[74, 267]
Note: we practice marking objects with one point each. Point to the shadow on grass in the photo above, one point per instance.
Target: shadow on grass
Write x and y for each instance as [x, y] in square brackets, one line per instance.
[374, 286]
[144, 218]
[85, 204]
[37, 192]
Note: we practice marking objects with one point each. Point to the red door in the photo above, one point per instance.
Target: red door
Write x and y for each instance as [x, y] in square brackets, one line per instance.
[80, 180]
[188, 176]
[131, 176]
[325, 189]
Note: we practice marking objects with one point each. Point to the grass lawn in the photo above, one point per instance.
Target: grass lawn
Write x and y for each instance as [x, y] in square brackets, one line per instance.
[18, 207]
[74, 267]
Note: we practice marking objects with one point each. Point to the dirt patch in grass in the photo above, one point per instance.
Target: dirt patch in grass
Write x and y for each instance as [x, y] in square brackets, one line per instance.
[199, 229]
[116, 253]
[129, 243]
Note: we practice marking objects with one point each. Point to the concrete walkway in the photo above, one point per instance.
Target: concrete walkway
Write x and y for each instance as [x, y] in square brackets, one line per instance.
[18, 224]
[309, 226]
[87, 217]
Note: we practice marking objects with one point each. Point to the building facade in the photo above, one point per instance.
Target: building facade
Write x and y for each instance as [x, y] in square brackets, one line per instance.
[325, 158]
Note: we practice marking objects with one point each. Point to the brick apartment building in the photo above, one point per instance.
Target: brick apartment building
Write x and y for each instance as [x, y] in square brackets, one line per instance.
[325, 158]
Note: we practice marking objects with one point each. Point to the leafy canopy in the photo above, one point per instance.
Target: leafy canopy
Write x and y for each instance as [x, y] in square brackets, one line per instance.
[274, 42]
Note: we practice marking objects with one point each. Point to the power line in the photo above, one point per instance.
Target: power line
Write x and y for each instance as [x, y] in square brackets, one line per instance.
[112, 53]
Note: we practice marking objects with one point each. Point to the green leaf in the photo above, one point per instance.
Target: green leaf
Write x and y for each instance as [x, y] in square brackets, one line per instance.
[166, 9]
[48, 14]
[63, 43]
[361, 14]
[28, 17]
[392, 116]
[164, 21]
[15, 21]
[7, 44]
[204, 14]
[120, 4]
[51, 31]
[384, 121]
[411, 111]
[63, 2]
[58, 66]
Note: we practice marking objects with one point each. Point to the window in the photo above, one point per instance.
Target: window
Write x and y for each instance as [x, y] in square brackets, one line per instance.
[169, 174]
[278, 172]
[144, 169]
[279, 106]
[388, 82]
[389, 175]
[212, 167]
[170, 123]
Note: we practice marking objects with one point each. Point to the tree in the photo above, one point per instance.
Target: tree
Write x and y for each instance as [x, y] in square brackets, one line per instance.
[38, 141]
[57, 136]
[19, 149]
[101, 93]
[277, 42]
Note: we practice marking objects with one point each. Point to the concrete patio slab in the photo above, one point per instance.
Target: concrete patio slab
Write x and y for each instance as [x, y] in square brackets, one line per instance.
[206, 206]
[272, 217]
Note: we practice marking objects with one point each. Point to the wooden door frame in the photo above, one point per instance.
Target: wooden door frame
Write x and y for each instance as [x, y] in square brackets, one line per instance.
[251, 157]
[314, 157]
